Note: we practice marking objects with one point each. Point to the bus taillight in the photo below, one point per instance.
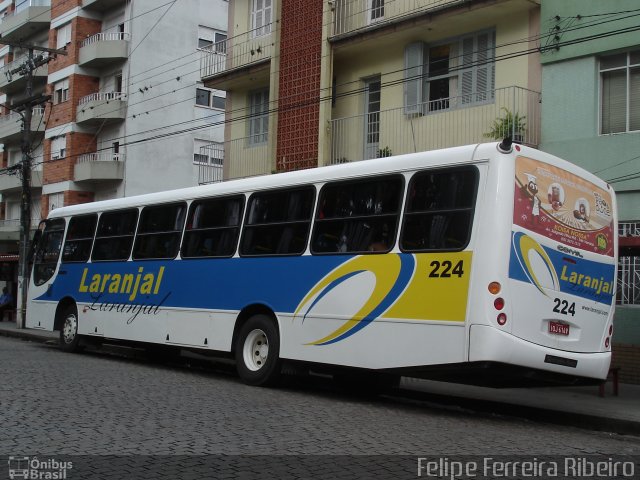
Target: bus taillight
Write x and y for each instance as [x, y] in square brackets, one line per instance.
[606, 343]
[502, 319]
[610, 330]
[499, 303]
[494, 288]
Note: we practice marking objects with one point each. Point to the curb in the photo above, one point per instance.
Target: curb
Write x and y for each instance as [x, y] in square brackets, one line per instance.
[28, 335]
[583, 421]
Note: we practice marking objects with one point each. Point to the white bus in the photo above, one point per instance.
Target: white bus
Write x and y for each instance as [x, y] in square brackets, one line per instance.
[491, 264]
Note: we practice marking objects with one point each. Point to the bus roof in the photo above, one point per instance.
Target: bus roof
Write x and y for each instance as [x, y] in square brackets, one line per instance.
[433, 158]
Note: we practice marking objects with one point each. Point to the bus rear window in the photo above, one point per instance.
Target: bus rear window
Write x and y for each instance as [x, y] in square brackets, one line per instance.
[439, 210]
[358, 216]
[278, 222]
[77, 246]
[114, 238]
[213, 227]
[46, 257]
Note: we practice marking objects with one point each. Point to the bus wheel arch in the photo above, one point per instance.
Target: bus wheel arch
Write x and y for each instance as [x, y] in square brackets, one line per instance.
[66, 322]
[256, 346]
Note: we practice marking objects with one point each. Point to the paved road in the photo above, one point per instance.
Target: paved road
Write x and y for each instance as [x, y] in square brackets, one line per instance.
[56, 404]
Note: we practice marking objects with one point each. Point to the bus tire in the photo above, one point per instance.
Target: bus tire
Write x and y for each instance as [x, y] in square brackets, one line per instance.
[257, 352]
[69, 338]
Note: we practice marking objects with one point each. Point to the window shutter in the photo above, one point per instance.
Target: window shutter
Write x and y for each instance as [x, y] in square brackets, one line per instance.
[634, 99]
[466, 81]
[614, 99]
[414, 73]
[482, 76]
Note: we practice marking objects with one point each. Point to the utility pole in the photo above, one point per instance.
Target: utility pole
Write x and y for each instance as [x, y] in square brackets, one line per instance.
[27, 69]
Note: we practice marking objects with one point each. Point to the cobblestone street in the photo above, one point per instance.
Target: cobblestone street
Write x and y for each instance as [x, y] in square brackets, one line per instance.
[57, 404]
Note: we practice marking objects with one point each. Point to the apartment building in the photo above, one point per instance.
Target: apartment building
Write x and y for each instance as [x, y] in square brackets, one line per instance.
[591, 116]
[127, 112]
[320, 82]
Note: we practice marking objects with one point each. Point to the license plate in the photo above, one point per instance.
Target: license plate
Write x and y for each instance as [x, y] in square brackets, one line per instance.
[558, 328]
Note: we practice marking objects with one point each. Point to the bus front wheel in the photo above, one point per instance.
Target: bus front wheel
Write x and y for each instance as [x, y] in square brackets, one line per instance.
[257, 352]
[69, 338]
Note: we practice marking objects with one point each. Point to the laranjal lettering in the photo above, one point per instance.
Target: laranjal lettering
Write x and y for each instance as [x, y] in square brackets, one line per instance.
[588, 283]
[129, 283]
[133, 309]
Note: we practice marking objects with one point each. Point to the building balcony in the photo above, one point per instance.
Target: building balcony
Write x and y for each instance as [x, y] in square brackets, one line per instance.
[99, 167]
[10, 228]
[224, 65]
[29, 18]
[100, 108]
[102, 5]
[12, 83]
[103, 49]
[351, 16]
[11, 184]
[443, 123]
[237, 158]
[11, 125]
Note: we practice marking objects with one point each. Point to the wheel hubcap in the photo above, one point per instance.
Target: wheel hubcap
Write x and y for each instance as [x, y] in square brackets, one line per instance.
[69, 328]
[255, 350]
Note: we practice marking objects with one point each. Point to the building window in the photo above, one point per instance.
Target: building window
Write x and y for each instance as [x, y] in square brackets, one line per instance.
[63, 35]
[58, 147]
[620, 92]
[56, 200]
[376, 10]
[260, 18]
[210, 38]
[258, 117]
[210, 98]
[208, 153]
[61, 91]
[445, 75]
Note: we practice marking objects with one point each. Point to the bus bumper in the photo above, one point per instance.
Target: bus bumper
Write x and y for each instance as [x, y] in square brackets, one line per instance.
[490, 344]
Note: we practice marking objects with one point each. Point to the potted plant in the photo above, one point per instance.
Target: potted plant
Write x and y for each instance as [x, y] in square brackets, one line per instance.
[384, 152]
[510, 125]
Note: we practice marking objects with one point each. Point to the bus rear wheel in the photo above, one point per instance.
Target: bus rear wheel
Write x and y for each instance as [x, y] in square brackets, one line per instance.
[257, 352]
[69, 338]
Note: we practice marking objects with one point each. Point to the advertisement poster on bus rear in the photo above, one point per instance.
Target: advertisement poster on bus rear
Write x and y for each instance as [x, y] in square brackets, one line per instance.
[562, 206]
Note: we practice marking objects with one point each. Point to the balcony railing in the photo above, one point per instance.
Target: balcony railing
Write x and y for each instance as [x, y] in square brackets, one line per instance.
[242, 158]
[104, 37]
[240, 51]
[355, 15]
[22, 5]
[100, 157]
[14, 223]
[100, 97]
[443, 123]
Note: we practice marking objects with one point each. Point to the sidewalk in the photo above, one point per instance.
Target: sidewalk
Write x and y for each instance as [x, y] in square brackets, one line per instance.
[576, 406]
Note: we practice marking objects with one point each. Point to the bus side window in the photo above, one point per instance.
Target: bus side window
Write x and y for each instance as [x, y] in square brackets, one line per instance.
[439, 210]
[77, 246]
[46, 257]
[114, 236]
[213, 227]
[282, 225]
[159, 231]
[358, 216]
